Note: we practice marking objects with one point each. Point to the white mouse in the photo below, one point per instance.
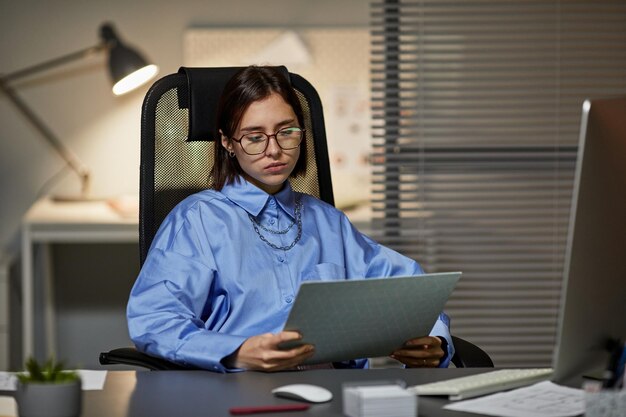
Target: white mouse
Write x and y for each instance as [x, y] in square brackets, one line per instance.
[304, 392]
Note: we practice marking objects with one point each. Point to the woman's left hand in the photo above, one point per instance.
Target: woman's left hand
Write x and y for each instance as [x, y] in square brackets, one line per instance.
[421, 352]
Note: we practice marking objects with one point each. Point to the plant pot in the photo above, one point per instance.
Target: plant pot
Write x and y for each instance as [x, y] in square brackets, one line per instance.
[36, 399]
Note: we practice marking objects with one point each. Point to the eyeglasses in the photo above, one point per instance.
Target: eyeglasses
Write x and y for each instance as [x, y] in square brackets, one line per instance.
[255, 143]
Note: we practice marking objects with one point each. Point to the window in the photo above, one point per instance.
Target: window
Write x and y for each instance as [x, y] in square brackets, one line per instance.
[476, 108]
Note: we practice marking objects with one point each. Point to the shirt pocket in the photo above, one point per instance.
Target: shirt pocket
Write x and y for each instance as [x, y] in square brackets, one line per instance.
[325, 272]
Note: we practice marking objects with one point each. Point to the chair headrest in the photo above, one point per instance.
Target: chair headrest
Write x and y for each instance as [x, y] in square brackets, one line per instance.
[205, 86]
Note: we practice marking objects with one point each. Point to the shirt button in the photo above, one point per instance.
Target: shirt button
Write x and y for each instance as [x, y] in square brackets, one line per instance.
[272, 202]
[288, 300]
[281, 259]
[271, 221]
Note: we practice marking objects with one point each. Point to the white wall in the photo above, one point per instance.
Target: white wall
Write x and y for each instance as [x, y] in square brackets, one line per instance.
[75, 100]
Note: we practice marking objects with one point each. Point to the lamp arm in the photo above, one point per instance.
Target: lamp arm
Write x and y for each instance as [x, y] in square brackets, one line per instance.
[46, 65]
[72, 161]
[65, 153]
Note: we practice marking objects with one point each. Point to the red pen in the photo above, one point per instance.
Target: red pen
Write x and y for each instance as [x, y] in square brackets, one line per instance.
[268, 409]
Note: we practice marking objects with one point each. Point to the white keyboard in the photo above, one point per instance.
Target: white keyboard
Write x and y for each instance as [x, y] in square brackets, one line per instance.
[485, 383]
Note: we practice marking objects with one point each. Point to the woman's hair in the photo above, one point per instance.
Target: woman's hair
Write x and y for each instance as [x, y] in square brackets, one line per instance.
[245, 87]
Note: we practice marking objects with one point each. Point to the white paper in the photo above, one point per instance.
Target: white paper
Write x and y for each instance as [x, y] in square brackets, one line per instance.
[91, 380]
[544, 399]
[7, 381]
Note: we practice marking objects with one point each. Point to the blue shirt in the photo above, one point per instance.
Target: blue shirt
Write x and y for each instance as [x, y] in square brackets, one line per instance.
[209, 282]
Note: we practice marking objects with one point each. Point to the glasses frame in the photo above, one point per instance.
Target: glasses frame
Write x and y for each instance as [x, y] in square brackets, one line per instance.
[269, 137]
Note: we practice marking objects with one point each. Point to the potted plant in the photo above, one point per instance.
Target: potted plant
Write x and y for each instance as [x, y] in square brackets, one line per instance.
[48, 390]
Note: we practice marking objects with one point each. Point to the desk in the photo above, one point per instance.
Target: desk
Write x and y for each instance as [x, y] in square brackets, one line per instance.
[49, 222]
[203, 393]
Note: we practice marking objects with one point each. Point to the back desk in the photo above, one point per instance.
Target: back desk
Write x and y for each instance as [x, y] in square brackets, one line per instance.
[200, 393]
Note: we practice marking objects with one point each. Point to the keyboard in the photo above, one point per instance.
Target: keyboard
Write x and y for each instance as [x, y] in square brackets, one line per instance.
[486, 383]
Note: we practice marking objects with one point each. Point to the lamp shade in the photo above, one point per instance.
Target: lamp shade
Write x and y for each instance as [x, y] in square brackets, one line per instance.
[127, 67]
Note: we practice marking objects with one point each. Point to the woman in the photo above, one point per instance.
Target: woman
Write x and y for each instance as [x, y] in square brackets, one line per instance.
[226, 264]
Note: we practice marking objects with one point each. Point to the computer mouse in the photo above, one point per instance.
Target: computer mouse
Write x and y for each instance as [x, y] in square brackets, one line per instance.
[304, 392]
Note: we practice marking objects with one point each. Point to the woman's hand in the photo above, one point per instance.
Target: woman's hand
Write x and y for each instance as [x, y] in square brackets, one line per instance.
[261, 353]
[422, 352]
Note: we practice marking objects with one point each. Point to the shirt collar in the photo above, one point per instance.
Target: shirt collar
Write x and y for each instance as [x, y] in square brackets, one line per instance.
[253, 200]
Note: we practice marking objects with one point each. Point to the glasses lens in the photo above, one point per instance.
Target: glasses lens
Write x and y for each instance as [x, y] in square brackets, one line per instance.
[289, 138]
[254, 143]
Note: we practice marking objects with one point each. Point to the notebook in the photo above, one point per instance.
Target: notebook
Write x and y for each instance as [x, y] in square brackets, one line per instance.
[362, 318]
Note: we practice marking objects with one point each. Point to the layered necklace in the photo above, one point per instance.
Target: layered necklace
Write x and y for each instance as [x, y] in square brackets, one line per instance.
[298, 222]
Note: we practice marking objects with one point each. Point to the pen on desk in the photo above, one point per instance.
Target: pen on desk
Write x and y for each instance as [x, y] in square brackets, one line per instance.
[268, 409]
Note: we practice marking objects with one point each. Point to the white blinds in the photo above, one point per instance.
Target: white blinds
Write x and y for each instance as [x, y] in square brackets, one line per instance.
[476, 114]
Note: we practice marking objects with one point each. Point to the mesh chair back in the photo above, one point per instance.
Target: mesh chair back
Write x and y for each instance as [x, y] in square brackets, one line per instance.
[175, 163]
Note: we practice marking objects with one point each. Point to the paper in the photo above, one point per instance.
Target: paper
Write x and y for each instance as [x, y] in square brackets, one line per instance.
[7, 381]
[544, 399]
[92, 380]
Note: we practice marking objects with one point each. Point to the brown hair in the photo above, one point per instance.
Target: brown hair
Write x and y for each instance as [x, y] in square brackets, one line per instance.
[245, 87]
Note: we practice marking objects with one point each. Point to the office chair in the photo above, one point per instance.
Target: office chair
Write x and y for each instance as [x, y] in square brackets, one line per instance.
[177, 137]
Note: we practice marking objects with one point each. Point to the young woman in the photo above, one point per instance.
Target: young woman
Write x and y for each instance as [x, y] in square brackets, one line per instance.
[226, 264]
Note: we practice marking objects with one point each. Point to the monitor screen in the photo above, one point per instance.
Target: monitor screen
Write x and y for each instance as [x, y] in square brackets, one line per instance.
[593, 304]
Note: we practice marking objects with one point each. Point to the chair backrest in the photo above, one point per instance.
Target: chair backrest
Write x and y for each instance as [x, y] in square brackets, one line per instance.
[177, 135]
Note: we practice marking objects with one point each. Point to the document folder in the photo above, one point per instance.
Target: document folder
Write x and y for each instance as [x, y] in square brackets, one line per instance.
[362, 318]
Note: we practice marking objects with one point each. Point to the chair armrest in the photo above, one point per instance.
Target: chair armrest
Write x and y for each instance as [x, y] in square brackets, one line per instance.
[468, 355]
[133, 357]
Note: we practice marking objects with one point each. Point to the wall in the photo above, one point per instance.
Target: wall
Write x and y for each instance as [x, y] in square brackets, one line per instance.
[76, 103]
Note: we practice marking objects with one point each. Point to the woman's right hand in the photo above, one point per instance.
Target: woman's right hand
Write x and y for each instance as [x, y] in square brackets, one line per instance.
[261, 353]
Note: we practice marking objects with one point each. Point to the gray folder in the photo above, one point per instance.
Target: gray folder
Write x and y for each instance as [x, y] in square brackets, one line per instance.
[362, 318]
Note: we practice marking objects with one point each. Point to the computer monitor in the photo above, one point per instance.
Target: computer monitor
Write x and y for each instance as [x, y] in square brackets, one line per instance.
[593, 304]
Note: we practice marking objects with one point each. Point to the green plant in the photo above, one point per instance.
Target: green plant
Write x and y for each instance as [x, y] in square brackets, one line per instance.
[50, 372]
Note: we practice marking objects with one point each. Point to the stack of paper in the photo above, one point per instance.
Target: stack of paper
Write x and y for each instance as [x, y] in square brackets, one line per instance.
[379, 401]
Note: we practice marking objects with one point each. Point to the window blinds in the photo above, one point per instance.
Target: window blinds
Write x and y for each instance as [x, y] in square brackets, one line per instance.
[476, 108]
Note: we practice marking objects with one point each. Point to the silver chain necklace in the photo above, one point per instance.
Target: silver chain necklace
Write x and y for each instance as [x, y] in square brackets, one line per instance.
[297, 221]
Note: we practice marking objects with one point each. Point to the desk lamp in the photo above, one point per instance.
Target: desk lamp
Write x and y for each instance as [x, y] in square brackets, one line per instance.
[127, 68]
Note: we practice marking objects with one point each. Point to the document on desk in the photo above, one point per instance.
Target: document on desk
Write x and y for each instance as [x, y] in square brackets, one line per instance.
[544, 399]
[92, 380]
[364, 318]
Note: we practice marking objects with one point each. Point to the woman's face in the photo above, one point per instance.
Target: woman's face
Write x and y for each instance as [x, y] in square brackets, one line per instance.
[270, 169]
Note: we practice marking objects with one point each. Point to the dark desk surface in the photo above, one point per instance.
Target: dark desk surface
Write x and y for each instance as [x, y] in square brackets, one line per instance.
[200, 393]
